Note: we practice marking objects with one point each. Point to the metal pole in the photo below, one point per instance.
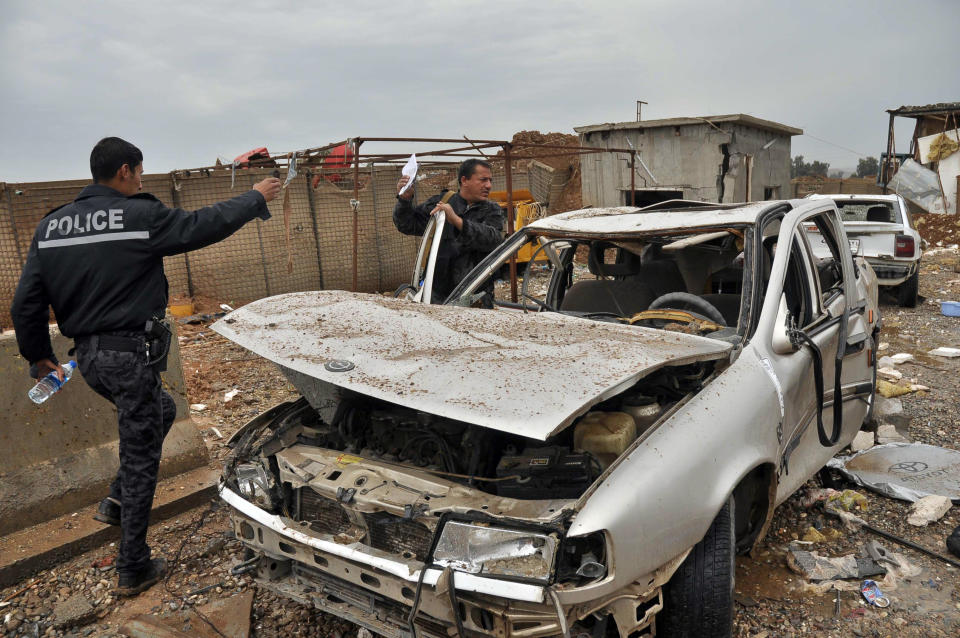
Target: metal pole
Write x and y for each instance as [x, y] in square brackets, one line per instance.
[633, 178]
[311, 201]
[356, 208]
[175, 197]
[885, 169]
[508, 166]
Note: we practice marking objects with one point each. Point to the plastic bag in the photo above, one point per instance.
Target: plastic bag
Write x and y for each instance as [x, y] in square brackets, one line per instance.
[920, 185]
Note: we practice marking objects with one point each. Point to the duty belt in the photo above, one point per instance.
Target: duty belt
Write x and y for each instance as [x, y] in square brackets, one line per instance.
[119, 344]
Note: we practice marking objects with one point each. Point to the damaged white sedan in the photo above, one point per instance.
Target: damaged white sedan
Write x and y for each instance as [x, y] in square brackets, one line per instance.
[585, 460]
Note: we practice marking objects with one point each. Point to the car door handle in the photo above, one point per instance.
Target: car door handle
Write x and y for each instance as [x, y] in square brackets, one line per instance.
[855, 344]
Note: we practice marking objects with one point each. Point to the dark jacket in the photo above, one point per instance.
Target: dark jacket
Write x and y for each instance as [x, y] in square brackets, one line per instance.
[98, 261]
[460, 250]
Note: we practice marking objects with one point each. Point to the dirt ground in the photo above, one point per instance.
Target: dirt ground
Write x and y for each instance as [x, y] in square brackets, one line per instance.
[771, 600]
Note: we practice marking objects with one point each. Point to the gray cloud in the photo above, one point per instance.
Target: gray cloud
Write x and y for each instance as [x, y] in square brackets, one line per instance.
[190, 81]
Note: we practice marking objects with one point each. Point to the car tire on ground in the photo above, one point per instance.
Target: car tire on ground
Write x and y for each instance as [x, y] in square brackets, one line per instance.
[698, 599]
[907, 292]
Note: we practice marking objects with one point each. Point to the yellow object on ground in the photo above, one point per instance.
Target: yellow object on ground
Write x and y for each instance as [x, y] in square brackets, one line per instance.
[180, 310]
[848, 500]
[889, 390]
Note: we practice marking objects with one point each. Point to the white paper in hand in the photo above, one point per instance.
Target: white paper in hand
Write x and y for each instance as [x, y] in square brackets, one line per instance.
[409, 170]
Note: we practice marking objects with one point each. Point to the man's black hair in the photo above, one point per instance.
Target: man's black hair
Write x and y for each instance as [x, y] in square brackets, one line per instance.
[469, 167]
[109, 155]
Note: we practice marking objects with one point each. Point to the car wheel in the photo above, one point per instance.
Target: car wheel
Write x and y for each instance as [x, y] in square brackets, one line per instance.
[907, 292]
[698, 599]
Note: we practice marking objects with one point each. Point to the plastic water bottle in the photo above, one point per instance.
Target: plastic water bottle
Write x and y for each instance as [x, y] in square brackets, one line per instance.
[50, 384]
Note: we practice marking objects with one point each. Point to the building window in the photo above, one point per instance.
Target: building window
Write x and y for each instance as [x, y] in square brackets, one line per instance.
[771, 192]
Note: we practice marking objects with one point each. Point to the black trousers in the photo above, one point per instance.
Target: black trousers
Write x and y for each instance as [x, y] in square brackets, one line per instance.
[145, 413]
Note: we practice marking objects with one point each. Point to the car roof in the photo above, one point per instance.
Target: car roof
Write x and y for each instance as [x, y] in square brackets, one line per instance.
[857, 197]
[673, 215]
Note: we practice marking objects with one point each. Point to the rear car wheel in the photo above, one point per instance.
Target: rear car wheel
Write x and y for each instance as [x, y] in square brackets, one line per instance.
[907, 292]
[698, 599]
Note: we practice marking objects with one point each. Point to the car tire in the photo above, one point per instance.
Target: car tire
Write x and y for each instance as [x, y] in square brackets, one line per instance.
[698, 598]
[908, 291]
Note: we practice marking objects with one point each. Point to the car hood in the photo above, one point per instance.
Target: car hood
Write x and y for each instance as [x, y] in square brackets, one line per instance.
[530, 374]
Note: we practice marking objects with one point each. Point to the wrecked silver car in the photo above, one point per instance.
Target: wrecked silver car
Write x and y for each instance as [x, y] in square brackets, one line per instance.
[587, 459]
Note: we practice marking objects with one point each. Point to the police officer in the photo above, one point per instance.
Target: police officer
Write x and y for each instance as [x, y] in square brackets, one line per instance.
[98, 262]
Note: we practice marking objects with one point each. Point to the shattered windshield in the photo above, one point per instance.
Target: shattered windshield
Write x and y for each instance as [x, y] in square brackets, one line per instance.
[688, 281]
[869, 211]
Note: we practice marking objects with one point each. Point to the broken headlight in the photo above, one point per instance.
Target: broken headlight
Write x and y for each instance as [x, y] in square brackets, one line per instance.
[478, 549]
[254, 483]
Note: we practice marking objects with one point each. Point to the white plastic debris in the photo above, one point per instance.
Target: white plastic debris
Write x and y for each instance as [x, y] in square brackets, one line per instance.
[225, 308]
[216, 432]
[228, 397]
[928, 509]
[890, 373]
[862, 441]
[886, 362]
[198, 407]
[945, 352]
[887, 433]
[917, 387]
[883, 346]
[901, 357]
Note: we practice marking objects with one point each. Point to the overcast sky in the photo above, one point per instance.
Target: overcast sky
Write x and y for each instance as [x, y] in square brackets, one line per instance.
[188, 82]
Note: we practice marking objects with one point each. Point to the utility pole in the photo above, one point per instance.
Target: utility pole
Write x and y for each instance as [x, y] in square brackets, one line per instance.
[640, 104]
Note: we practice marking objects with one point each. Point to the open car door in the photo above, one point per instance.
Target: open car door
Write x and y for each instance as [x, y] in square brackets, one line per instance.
[420, 288]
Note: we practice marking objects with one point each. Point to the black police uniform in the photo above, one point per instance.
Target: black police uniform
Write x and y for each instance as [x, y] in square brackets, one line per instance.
[460, 250]
[98, 262]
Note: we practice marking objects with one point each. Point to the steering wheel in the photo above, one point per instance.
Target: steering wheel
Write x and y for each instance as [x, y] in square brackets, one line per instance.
[686, 301]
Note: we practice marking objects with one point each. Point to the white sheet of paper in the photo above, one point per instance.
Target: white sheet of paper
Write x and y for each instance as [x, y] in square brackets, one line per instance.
[410, 170]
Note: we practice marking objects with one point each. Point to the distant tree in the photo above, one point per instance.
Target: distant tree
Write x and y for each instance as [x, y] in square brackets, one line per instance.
[867, 167]
[799, 168]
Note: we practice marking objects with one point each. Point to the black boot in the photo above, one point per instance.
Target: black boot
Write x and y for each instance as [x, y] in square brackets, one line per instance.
[133, 584]
[108, 512]
[953, 542]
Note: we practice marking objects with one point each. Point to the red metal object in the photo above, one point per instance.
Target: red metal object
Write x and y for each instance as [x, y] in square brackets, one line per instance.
[339, 159]
[243, 160]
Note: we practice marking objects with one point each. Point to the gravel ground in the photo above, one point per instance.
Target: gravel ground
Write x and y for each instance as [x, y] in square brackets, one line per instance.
[771, 600]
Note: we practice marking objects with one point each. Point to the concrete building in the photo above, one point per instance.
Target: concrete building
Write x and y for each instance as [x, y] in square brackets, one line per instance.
[721, 158]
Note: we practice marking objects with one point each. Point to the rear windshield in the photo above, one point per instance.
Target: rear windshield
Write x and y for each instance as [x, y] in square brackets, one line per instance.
[869, 212]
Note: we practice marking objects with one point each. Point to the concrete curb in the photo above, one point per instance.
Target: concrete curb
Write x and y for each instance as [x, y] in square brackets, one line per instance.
[28, 551]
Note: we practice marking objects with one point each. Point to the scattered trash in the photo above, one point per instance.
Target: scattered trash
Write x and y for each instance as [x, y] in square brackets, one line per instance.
[916, 387]
[862, 441]
[872, 594]
[907, 471]
[928, 509]
[815, 567]
[216, 432]
[953, 542]
[950, 308]
[901, 357]
[945, 352]
[883, 346]
[198, 407]
[228, 397]
[103, 562]
[814, 535]
[201, 318]
[226, 308]
[848, 500]
[891, 390]
[181, 310]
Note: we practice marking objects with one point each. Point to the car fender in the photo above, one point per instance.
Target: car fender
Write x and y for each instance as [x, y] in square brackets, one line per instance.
[661, 497]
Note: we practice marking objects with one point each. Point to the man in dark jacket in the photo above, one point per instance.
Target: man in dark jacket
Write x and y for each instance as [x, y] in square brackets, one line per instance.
[474, 226]
[98, 262]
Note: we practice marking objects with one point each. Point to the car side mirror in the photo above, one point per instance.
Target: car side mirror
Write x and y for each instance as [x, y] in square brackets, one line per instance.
[781, 343]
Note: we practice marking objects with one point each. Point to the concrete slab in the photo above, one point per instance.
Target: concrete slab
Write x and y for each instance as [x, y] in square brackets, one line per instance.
[27, 551]
[61, 455]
